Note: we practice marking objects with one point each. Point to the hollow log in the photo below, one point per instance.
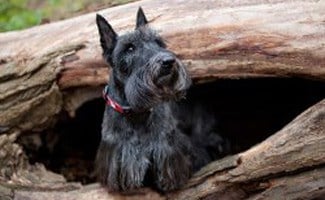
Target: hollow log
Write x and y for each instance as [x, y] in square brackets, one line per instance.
[54, 67]
[288, 164]
[216, 39]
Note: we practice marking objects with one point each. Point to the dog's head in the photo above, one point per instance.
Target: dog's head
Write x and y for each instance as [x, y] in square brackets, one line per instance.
[143, 67]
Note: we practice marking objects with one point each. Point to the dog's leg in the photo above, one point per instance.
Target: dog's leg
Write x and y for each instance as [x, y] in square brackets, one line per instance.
[121, 167]
[107, 166]
[134, 165]
[172, 166]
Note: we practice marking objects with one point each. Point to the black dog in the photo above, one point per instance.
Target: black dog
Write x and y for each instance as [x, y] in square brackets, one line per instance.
[142, 141]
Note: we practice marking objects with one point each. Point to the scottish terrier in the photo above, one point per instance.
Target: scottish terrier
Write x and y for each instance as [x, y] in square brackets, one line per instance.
[143, 142]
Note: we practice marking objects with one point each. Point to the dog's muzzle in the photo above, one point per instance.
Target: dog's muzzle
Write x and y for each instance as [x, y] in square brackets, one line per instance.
[166, 69]
[163, 78]
[167, 64]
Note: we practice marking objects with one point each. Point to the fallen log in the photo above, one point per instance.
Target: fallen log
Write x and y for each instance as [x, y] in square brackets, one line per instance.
[217, 39]
[288, 164]
[261, 170]
[58, 66]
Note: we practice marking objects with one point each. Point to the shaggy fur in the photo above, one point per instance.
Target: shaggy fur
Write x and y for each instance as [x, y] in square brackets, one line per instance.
[147, 147]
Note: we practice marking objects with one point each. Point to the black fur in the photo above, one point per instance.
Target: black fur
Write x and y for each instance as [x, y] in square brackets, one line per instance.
[148, 146]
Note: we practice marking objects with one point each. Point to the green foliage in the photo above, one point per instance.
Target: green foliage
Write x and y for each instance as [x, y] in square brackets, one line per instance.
[14, 14]
[19, 14]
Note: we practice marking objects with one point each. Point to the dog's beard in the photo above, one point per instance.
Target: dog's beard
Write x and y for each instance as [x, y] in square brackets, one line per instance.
[184, 80]
[142, 91]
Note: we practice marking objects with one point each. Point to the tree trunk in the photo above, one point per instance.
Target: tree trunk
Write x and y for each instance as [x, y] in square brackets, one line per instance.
[54, 67]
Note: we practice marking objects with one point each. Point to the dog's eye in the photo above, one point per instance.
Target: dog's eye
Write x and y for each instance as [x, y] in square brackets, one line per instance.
[130, 48]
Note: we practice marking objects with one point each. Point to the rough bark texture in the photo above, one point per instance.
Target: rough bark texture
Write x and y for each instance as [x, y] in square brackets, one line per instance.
[289, 164]
[58, 66]
[216, 39]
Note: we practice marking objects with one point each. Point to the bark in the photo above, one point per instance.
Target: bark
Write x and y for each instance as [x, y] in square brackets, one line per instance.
[217, 39]
[288, 164]
[54, 67]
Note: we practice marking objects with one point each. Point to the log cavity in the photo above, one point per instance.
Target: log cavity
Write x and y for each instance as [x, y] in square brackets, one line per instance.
[246, 111]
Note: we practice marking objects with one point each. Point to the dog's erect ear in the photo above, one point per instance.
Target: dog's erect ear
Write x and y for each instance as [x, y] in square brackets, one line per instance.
[107, 35]
[141, 19]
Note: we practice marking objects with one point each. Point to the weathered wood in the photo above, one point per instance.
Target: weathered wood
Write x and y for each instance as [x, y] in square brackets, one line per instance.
[58, 66]
[281, 166]
[94, 192]
[216, 39]
[293, 152]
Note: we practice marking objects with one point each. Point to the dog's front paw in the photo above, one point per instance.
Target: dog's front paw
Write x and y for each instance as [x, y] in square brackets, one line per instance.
[132, 172]
[173, 172]
[121, 169]
[107, 167]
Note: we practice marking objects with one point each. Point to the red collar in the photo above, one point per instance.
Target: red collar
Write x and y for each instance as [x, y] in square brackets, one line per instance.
[116, 106]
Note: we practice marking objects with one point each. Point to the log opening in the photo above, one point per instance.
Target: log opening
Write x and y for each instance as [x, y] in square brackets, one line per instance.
[247, 112]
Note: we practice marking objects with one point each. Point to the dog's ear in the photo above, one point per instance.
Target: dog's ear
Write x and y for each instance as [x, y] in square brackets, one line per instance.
[107, 35]
[141, 19]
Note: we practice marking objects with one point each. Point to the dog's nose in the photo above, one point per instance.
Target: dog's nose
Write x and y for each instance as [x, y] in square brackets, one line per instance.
[168, 63]
[168, 70]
